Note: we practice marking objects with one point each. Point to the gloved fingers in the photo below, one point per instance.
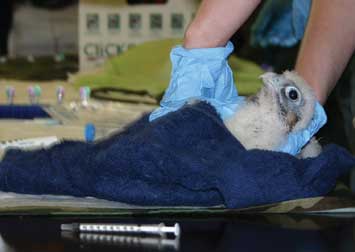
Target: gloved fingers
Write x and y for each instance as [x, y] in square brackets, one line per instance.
[190, 82]
[185, 61]
[319, 119]
[296, 140]
[202, 74]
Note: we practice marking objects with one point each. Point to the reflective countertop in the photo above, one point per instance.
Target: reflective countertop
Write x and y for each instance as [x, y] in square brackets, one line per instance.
[233, 233]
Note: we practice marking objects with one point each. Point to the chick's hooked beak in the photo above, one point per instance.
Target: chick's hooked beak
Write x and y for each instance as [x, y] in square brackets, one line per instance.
[271, 82]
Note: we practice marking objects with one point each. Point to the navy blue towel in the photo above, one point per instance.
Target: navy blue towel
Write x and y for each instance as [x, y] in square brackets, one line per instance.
[187, 158]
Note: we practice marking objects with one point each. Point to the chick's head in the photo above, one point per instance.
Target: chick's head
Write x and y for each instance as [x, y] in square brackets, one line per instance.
[292, 96]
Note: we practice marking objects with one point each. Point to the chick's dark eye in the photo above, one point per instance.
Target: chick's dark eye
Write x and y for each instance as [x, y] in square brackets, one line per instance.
[293, 95]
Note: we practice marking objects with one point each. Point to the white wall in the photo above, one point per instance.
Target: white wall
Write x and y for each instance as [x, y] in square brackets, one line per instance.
[96, 46]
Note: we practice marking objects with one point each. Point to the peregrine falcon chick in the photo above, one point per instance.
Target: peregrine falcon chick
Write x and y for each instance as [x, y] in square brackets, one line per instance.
[283, 105]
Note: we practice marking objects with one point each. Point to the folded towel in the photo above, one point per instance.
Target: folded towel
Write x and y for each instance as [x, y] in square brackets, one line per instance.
[186, 158]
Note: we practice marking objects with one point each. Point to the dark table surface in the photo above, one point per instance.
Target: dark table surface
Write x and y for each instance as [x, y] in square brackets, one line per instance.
[232, 233]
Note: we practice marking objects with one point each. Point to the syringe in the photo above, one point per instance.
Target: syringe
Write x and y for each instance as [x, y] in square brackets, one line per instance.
[159, 229]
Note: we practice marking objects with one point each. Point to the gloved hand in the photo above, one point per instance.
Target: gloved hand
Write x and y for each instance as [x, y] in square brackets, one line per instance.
[297, 140]
[200, 74]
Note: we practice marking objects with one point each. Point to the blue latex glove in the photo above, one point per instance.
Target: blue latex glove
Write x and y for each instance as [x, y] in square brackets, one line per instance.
[297, 140]
[200, 74]
[281, 23]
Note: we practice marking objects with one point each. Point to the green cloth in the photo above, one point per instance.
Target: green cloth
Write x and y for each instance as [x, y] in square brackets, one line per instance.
[147, 67]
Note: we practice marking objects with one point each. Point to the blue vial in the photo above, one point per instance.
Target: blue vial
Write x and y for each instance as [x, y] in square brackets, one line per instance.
[90, 131]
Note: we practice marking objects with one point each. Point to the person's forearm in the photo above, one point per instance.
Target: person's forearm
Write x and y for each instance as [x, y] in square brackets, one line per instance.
[216, 21]
[328, 44]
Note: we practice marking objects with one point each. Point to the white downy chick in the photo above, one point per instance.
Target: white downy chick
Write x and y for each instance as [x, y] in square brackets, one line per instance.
[284, 104]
